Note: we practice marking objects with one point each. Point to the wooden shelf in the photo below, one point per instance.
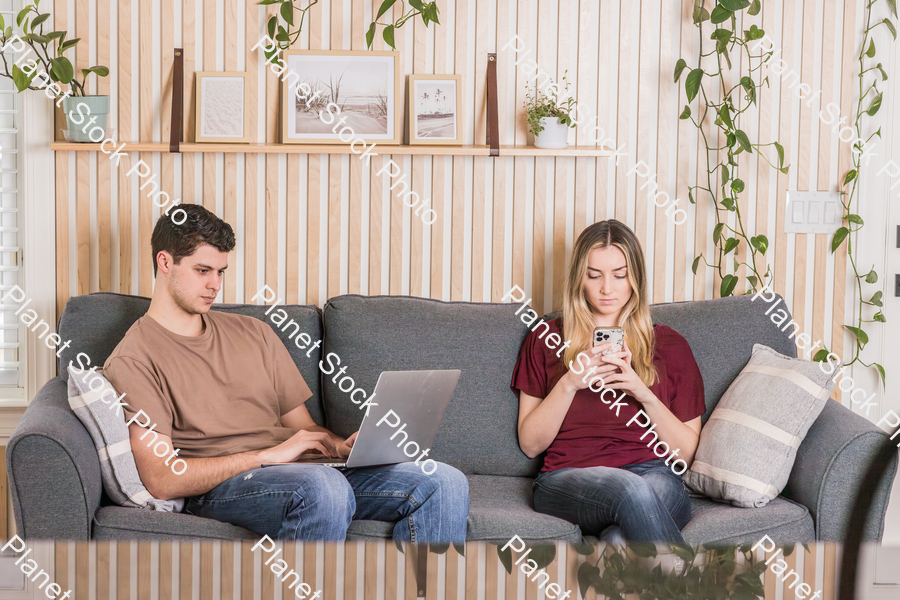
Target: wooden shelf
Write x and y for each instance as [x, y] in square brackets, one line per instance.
[477, 150]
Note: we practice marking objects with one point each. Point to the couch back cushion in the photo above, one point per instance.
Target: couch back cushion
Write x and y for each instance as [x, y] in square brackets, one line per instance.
[721, 334]
[372, 334]
[96, 323]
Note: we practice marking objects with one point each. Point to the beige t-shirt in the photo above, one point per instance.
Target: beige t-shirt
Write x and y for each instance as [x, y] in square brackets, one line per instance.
[216, 394]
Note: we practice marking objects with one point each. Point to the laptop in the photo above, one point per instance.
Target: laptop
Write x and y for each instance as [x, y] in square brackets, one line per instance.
[418, 399]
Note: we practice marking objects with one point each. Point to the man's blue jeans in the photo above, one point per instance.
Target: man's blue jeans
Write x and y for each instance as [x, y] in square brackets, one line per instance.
[312, 502]
[647, 501]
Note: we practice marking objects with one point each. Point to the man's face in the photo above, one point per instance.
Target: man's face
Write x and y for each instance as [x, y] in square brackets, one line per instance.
[196, 280]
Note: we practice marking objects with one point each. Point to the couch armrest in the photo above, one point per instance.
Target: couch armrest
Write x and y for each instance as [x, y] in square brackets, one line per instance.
[830, 469]
[54, 471]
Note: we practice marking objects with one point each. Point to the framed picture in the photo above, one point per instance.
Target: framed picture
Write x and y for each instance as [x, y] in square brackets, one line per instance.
[222, 113]
[337, 96]
[435, 103]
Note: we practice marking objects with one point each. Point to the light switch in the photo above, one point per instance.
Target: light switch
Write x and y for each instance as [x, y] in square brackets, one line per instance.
[812, 212]
[798, 211]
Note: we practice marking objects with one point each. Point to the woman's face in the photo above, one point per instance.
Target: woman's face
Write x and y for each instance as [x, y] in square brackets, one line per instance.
[606, 284]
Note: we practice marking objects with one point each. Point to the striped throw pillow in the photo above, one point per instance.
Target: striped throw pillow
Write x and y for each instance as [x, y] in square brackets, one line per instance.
[748, 446]
[94, 407]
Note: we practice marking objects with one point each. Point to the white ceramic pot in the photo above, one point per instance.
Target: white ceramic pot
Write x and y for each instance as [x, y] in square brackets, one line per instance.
[554, 134]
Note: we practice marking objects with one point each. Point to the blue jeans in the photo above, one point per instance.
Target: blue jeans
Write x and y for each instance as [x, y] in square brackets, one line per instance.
[312, 502]
[647, 501]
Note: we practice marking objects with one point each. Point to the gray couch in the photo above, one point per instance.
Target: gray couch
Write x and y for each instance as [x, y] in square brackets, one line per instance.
[54, 473]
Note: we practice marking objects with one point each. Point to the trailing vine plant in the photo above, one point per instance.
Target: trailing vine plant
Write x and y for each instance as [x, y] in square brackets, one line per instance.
[718, 576]
[285, 26]
[735, 101]
[873, 97]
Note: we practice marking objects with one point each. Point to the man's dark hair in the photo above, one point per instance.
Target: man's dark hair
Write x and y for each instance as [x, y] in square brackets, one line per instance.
[199, 227]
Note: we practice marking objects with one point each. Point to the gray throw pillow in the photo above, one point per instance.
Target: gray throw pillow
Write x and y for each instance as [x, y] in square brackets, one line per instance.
[95, 408]
[749, 444]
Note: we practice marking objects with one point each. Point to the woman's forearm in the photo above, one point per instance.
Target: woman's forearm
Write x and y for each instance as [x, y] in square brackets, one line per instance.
[539, 427]
[672, 430]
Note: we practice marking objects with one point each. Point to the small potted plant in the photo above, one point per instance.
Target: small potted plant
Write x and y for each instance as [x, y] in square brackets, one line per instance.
[37, 48]
[549, 118]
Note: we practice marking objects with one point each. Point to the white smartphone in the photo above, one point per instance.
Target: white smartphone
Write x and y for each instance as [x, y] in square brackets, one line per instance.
[615, 335]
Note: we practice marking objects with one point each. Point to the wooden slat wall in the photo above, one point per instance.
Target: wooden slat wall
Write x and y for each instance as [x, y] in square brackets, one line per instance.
[314, 226]
[385, 572]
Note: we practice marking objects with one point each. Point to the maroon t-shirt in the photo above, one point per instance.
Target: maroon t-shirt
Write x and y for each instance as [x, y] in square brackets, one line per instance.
[591, 435]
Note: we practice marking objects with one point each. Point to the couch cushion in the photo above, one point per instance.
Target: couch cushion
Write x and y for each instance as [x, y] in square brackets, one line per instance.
[717, 524]
[118, 523]
[394, 333]
[499, 508]
[96, 323]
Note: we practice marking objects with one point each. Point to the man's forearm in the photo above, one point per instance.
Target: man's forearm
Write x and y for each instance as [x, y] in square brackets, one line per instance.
[205, 474]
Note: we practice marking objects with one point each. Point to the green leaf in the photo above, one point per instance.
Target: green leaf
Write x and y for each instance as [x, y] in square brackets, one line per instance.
[41, 18]
[780, 150]
[717, 232]
[727, 287]
[692, 84]
[505, 558]
[543, 554]
[886, 22]
[588, 575]
[859, 333]
[417, 4]
[691, 196]
[760, 242]
[266, 2]
[876, 299]
[287, 12]
[728, 203]
[730, 244]
[851, 175]
[679, 67]
[893, 5]
[686, 113]
[438, 548]
[695, 264]
[743, 140]
[100, 70]
[583, 548]
[871, 51]
[21, 80]
[2, 23]
[788, 550]
[370, 35]
[872, 276]
[839, 236]
[884, 77]
[62, 69]
[880, 371]
[735, 5]
[752, 281]
[821, 355]
[725, 115]
[720, 14]
[388, 35]
[643, 549]
[270, 27]
[737, 185]
[40, 39]
[876, 104]
[854, 219]
[384, 8]
[431, 12]
[748, 85]
[730, 140]
[879, 317]
[755, 7]
[22, 14]
[700, 15]
[460, 548]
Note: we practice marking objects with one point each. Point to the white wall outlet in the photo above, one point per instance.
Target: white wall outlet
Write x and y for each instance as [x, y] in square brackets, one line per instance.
[813, 212]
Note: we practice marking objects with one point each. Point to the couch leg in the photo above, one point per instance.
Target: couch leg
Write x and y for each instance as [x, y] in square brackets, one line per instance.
[421, 557]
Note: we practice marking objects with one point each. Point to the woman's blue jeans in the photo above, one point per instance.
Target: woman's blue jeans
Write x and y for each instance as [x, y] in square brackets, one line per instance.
[313, 502]
[647, 501]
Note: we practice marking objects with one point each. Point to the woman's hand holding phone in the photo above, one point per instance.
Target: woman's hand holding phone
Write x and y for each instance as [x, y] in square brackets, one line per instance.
[579, 381]
[625, 378]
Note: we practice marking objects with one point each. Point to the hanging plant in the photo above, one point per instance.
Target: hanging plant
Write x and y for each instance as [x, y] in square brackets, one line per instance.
[285, 26]
[727, 114]
[871, 99]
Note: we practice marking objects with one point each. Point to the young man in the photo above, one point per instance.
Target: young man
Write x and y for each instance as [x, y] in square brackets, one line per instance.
[223, 390]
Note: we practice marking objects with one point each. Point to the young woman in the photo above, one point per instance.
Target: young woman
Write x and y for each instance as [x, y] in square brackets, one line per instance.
[598, 472]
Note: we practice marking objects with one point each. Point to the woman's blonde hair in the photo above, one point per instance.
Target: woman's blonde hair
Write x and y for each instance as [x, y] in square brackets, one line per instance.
[578, 319]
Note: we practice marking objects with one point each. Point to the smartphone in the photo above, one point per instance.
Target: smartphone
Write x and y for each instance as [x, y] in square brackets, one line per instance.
[615, 335]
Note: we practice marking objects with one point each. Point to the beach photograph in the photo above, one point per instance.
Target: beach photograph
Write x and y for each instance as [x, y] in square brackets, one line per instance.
[221, 115]
[435, 106]
[360, 90]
